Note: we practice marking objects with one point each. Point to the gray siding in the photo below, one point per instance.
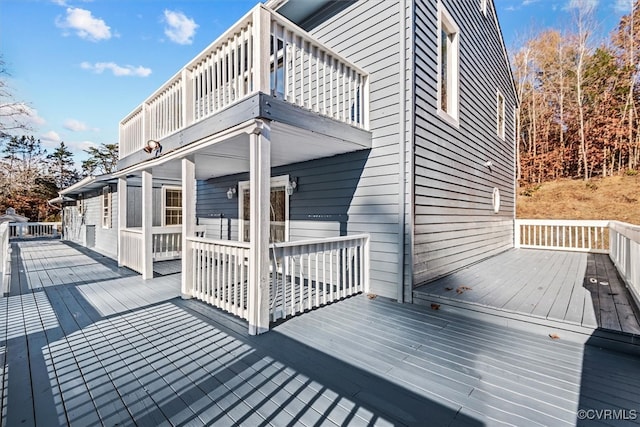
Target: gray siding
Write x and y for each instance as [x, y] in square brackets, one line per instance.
[454, 220]
[106, 239]
[368, 33]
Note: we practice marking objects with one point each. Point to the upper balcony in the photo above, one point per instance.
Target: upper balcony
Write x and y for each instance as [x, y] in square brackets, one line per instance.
[263, 53]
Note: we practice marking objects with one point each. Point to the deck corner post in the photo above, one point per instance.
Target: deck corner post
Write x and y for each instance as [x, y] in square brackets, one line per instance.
[260, 192]
[188, 226]
[367, 264]
[122, 215]
[147, 237]
[516, 234]
[261, 40]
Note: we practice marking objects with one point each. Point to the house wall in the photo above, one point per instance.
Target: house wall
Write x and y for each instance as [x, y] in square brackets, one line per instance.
[454, 221]
[369, 33]
[106, 239]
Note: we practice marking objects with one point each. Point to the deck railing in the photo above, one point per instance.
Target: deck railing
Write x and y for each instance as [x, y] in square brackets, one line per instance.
[4, 252]
[166, 243]
[262, 52]
[220, 269]
[625, 254]
[618, 239]
[304, 274]
[34, 229]
[312, 273]
[565, 235]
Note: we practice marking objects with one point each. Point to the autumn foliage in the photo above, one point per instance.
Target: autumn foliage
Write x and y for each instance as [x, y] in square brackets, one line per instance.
[578, 112]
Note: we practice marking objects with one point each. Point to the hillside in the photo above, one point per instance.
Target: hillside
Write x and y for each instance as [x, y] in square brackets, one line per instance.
[615, 197]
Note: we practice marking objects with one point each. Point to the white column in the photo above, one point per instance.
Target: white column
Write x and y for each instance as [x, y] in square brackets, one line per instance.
[122, 215]
[147, 218]
[188, 225]
[261, 45]
[260, 190]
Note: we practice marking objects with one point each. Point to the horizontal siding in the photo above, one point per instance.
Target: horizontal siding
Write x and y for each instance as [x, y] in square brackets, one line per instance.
[454, 223]
[106, 239]
[366, 32]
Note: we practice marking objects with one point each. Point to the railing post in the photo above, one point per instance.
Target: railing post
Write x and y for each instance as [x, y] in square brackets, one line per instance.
[187, 97]
[260, 171]
[367, 263]
[122, 216]
[261, 55]
[516, 234]
[147, 206]
[188, 225]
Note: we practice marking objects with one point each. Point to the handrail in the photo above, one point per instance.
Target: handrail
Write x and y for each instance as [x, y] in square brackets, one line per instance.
[625, 254]
[261, 52]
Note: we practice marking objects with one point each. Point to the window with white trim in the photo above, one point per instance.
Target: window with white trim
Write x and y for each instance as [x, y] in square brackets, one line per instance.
[279, 207]
[171, 206]
[106, 207]
[448, 73]
[80, 204]
[500, 115]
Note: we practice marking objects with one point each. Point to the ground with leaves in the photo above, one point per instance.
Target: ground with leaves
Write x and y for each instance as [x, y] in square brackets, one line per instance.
[616, 198]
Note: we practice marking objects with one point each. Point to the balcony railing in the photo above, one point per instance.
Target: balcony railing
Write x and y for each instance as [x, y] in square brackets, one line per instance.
[304, 274]
[34, 229]
[618, 239]
[263, 52]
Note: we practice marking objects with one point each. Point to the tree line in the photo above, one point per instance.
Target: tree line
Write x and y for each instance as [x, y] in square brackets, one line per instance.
[578, 115]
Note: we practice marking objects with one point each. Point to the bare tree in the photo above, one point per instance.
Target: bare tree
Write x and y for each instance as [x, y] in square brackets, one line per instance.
[14, 115]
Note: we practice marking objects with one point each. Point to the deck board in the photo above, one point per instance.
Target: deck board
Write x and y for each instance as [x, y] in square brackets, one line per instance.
[105, 347]
[582, 291]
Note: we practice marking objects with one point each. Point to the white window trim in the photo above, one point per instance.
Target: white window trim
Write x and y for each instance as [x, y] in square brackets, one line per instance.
[500, 128]
[276, 181]
[164, 204]
[105, 215]
[453, 68]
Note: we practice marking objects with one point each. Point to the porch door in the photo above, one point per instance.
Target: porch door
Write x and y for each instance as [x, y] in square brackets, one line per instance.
[279, 207]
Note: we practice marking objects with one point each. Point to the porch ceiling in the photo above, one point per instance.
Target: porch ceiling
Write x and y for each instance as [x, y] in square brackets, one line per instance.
[289, 144]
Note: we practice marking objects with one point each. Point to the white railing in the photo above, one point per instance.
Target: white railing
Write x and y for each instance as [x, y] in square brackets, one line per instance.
[4, 253]
[625, 254]
[34, 229]
[262, 52]
[166, 242]
[220, 269]
[309, 274]
[565, 235]
[131, 248]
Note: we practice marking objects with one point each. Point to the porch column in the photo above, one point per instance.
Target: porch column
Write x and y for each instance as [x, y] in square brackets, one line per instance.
[260, 191]
[188, 226]
[122, 215]
[147, 218]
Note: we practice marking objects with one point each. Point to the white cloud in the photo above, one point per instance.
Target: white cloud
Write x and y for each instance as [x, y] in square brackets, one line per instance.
[117, 70]
[585, 6]
[84, 24]
[75, 125]
[50, 139]
[180, 29]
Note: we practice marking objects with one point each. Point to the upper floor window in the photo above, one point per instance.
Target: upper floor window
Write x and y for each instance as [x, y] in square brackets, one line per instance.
[448, 75]
[500, 115]
[172, 206]
[106, 207]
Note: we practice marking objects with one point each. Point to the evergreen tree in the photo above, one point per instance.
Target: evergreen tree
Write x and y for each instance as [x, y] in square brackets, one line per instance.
[61, 166]
[101, 160]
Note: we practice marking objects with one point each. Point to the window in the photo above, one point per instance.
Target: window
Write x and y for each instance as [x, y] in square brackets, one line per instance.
[500, 115]
[448, 67]
[80, 204]
[279, 218]
[172, 206]
[106, 207]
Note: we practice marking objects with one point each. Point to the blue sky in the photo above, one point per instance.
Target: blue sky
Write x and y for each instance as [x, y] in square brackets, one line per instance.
[83, 65]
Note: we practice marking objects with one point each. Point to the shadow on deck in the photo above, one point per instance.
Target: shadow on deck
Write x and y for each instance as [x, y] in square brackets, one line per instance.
[538, 289]
[87, 345]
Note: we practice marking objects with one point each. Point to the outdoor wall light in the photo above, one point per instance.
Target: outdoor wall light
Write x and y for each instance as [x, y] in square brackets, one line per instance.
[153, 146]
[231, 192]
[291, 186]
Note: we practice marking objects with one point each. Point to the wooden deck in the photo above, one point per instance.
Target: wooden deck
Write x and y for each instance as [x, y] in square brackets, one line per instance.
[577, 291]
[86, 343]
